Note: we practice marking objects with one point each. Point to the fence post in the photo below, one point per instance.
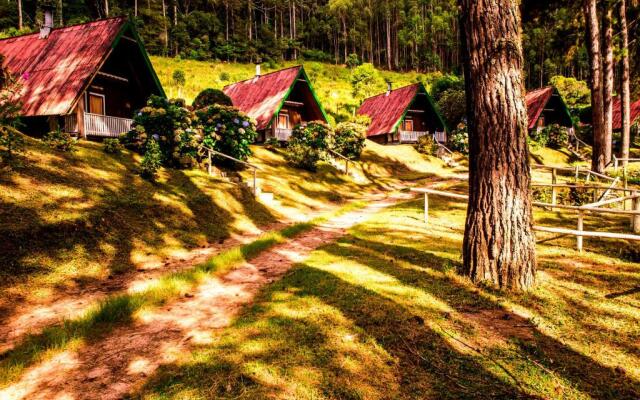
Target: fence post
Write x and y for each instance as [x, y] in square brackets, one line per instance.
[615, 163]
[554, 180]
[635, 219]
[580, 228]
[209, 166]
[577, 172]
[346, 167]
[255, 188]
[426, 208]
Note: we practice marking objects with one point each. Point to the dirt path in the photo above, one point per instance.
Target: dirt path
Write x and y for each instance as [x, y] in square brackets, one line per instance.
[118, 363]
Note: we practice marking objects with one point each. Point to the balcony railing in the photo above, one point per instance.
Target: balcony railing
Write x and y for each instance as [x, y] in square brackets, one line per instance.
[283, 134]
[98, 125]
[413, 136]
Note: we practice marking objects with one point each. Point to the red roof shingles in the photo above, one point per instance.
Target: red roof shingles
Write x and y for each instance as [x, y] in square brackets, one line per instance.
[536, 101]
[617, 113]
[260, 97]
[54, 70]
[385, 110]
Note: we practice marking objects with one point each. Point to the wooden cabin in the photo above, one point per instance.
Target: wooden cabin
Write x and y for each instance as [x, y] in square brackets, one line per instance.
[634, 116]
[403, 115]
[545, 107]
[277, 101]
[85, 79]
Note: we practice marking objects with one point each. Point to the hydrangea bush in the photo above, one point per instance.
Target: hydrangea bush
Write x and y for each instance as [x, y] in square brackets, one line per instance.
[308, 144]
[349, 139]
[170, 123]
[459, 139]
[227, 130]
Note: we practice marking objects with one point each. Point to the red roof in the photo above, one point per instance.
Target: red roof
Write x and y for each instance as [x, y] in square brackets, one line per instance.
[536, 101]
[55, 70]
[617, 113]
[386, 109]
[260, 97]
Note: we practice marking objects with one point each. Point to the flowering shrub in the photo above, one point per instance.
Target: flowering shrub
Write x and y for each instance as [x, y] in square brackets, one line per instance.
[227, 130]
[169, 122]
[459, 139]
[349, 139]
[308, 144]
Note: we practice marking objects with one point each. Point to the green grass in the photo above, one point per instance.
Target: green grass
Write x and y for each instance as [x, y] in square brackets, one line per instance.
[120, 309]
[330, 82]
[382, 314]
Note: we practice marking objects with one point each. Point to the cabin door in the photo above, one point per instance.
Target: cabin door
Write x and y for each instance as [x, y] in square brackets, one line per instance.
[407, 125]
[95, 103]
[283, 121]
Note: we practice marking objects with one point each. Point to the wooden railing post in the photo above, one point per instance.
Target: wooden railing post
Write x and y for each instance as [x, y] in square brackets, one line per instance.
[554, 189]
[255, 188]
[615, 163]
[209, 165]
[580, 229]
[577, 172]
[635, 219]
[426, 208]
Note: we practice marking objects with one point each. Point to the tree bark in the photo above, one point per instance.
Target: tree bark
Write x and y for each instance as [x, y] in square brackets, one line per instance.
[595, 83]
[389, 54]
[625, 90]
[608, 82]
[499, 245]
[20, 23]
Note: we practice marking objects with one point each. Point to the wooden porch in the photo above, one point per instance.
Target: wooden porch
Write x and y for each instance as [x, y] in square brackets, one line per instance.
[96, 125]
[413, 136]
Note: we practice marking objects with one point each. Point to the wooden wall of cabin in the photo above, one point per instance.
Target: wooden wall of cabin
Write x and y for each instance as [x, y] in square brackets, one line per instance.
[301, 93]
[428, 119]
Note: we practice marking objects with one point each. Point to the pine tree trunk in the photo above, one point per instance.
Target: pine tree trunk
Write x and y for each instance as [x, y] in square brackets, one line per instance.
[20, 23]
[625, 90]
[608, 82]
[499, 245]
[389, 54]
[595, 82]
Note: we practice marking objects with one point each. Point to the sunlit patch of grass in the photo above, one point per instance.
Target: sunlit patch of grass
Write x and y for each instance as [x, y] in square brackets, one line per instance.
[122, 308]
[385, 304]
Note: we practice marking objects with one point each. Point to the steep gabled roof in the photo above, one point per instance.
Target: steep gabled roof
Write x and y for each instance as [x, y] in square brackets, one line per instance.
[54, 71]
[387, 109]
[536, 101]
[617, 113]
[262, 97]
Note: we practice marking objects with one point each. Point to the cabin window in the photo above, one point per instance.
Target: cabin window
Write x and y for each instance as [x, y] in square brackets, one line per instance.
[283, 121]
[95, 103]
[407, 125]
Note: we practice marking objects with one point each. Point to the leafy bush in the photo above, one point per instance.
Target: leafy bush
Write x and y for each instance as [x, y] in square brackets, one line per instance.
[308, 145]
[60, 141]
[112, 146]
[539, 138]
[316, 55]
[426, 145]
[209, 97]
[152, 160]
[444, 83]
[558, 136]
[224, 76]
[227, 130]
[365, 81]
[349, 139]
[11, 140]
[453, 105]
[353, 61]
[272, 143]
[459, 139]
[168, 122]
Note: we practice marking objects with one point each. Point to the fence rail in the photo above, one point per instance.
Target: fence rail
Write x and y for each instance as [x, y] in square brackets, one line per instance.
[581, 210]
[255, 168]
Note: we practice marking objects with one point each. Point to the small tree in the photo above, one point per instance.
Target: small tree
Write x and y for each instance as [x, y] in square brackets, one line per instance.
[365, 81]
[11, 140]
[209, 97]
[353, 61]
[179, 79]
[308, 145]
[349, 139]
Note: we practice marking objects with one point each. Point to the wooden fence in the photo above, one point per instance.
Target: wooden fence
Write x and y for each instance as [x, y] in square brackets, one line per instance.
[579, 232]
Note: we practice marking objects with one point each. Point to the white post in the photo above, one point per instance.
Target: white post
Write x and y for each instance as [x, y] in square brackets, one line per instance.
[615, 163]
[580, 228]
[635, 219]
[554, 180]
[209, 166]
[426, 208]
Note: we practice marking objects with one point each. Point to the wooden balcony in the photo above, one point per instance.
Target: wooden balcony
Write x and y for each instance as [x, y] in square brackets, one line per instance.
[283, 134]
[97, 125]
[413, 136]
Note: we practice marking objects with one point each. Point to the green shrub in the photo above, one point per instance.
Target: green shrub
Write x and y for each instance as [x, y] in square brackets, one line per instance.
[209, 97]
[453, 106]
[353, 61]
[558, 136]
[444, 83]
[308, 145]
[272, 143]
[580, 195]
[11, 143]
[458, 140]
[426, 145]
[224, 76]
[112, 146]
[152, 160]
[11, 140]
[539, 138]
[349, 139]
[169, 123]
[60, 141]
[227, 130]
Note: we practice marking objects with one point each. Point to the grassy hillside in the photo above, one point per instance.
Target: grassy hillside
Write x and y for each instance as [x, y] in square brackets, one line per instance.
[331, 82]
[81, 217]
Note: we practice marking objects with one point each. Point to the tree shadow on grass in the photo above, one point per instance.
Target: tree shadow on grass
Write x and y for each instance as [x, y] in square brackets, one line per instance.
[315, 335]
[582, 372]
